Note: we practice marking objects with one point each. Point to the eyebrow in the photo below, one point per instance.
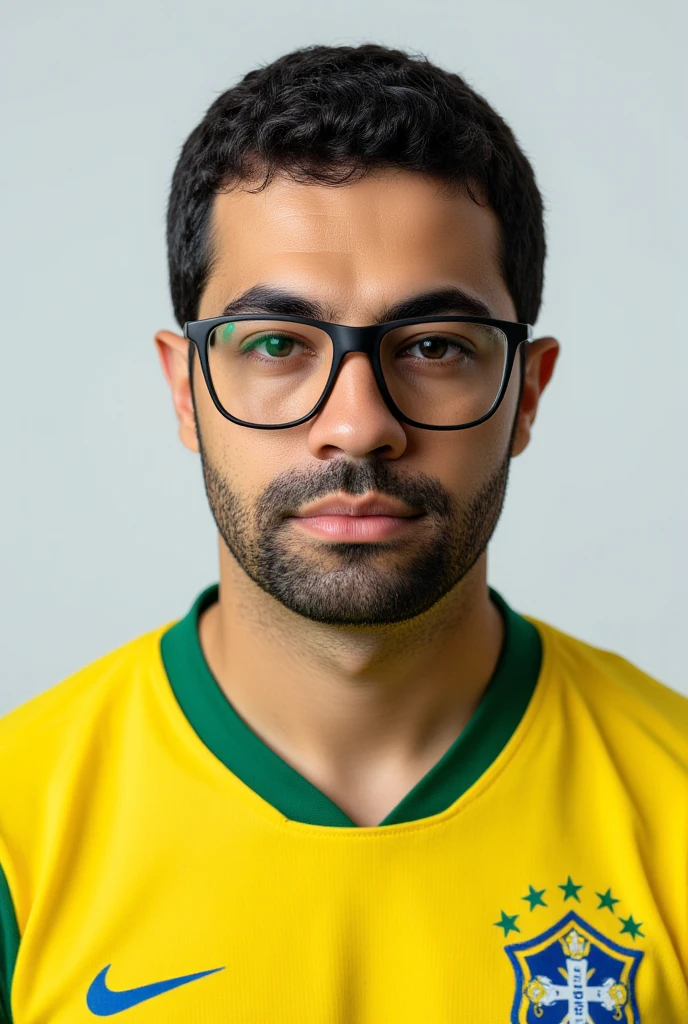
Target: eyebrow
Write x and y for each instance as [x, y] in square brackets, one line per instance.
[265, 299]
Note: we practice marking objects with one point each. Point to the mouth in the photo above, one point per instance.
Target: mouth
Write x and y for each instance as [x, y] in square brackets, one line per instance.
[374, 517]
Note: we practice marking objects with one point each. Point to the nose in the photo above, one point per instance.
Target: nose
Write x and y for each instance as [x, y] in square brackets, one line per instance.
[355, 419]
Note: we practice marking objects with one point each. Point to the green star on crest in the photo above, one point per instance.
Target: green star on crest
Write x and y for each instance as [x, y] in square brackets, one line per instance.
[607, 900]
[508, 924]
[570, 890]
[631, 926]
[534, 897]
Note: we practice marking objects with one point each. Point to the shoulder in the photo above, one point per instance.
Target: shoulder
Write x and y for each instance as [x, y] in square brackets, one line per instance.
[38, 733]
[621, 701]
[50, 748]
[53, 749]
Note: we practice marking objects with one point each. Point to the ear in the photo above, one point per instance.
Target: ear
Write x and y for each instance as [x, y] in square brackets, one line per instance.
[541, 355]
[173, 352]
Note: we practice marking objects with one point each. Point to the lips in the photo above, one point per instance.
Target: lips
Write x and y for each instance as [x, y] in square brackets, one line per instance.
[371, 505]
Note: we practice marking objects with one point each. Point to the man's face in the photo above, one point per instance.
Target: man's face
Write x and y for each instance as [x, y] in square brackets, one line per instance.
[355, 250]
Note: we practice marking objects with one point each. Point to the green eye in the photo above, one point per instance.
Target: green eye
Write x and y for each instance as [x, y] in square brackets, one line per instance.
[275, 345]
[227, 330]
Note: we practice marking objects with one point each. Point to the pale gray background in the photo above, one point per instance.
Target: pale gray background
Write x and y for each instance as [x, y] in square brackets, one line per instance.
[105, 530]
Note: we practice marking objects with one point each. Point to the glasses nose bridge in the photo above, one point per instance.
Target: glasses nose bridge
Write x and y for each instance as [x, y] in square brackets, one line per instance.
[354, 339]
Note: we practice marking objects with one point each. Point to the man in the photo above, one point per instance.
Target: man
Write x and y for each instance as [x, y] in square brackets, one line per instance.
[352, 784]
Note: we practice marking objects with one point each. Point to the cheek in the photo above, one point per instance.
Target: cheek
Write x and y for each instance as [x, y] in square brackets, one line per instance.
[249, 459]
[463, 460]
[464, 464]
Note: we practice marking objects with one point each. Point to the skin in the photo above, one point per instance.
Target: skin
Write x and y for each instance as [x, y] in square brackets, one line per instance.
[363, 709]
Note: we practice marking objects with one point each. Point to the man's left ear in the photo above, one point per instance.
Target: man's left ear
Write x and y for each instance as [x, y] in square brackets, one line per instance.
[541, 355]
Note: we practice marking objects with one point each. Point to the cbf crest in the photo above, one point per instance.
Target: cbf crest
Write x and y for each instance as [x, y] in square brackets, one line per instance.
[572, 973]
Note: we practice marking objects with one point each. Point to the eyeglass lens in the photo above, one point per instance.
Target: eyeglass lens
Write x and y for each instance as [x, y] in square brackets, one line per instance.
[271, 372]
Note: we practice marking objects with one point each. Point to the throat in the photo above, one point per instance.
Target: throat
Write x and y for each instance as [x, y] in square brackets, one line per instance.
[375, 793]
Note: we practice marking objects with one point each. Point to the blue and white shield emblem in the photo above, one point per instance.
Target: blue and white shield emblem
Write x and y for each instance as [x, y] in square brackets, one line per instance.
[572, 974]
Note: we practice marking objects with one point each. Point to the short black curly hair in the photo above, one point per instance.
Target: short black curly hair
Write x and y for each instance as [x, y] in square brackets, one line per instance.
[331, 113]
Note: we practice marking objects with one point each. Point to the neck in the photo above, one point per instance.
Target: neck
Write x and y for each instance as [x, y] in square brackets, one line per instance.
[362, 712]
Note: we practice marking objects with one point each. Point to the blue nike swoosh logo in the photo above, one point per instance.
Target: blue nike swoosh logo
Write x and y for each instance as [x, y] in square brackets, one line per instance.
[103, 1002]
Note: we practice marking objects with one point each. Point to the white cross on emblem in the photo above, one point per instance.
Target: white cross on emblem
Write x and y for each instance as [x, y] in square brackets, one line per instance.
[541, 991]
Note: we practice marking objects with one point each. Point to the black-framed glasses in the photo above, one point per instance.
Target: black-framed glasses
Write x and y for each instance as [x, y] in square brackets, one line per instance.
[440, 373]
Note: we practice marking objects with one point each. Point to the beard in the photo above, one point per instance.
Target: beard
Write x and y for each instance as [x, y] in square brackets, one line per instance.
[349, 583]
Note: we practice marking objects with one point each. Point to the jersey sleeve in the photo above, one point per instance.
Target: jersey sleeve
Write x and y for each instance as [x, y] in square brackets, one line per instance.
[9, 947]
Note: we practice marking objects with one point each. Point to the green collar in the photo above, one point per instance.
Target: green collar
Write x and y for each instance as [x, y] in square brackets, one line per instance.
[235, 744]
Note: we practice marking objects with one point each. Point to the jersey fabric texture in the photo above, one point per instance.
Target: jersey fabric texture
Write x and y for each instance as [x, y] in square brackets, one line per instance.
[161, 862]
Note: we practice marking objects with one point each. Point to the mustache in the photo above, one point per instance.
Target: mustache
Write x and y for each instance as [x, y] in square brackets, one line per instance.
[292, 489]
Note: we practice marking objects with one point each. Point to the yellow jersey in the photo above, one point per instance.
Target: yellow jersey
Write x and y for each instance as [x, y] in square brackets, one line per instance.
[162, 863]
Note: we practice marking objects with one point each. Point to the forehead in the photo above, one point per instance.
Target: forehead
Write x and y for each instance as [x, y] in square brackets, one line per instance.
[355, 247]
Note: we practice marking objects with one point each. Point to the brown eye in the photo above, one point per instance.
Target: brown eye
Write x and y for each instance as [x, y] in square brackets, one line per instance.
[434, 348]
